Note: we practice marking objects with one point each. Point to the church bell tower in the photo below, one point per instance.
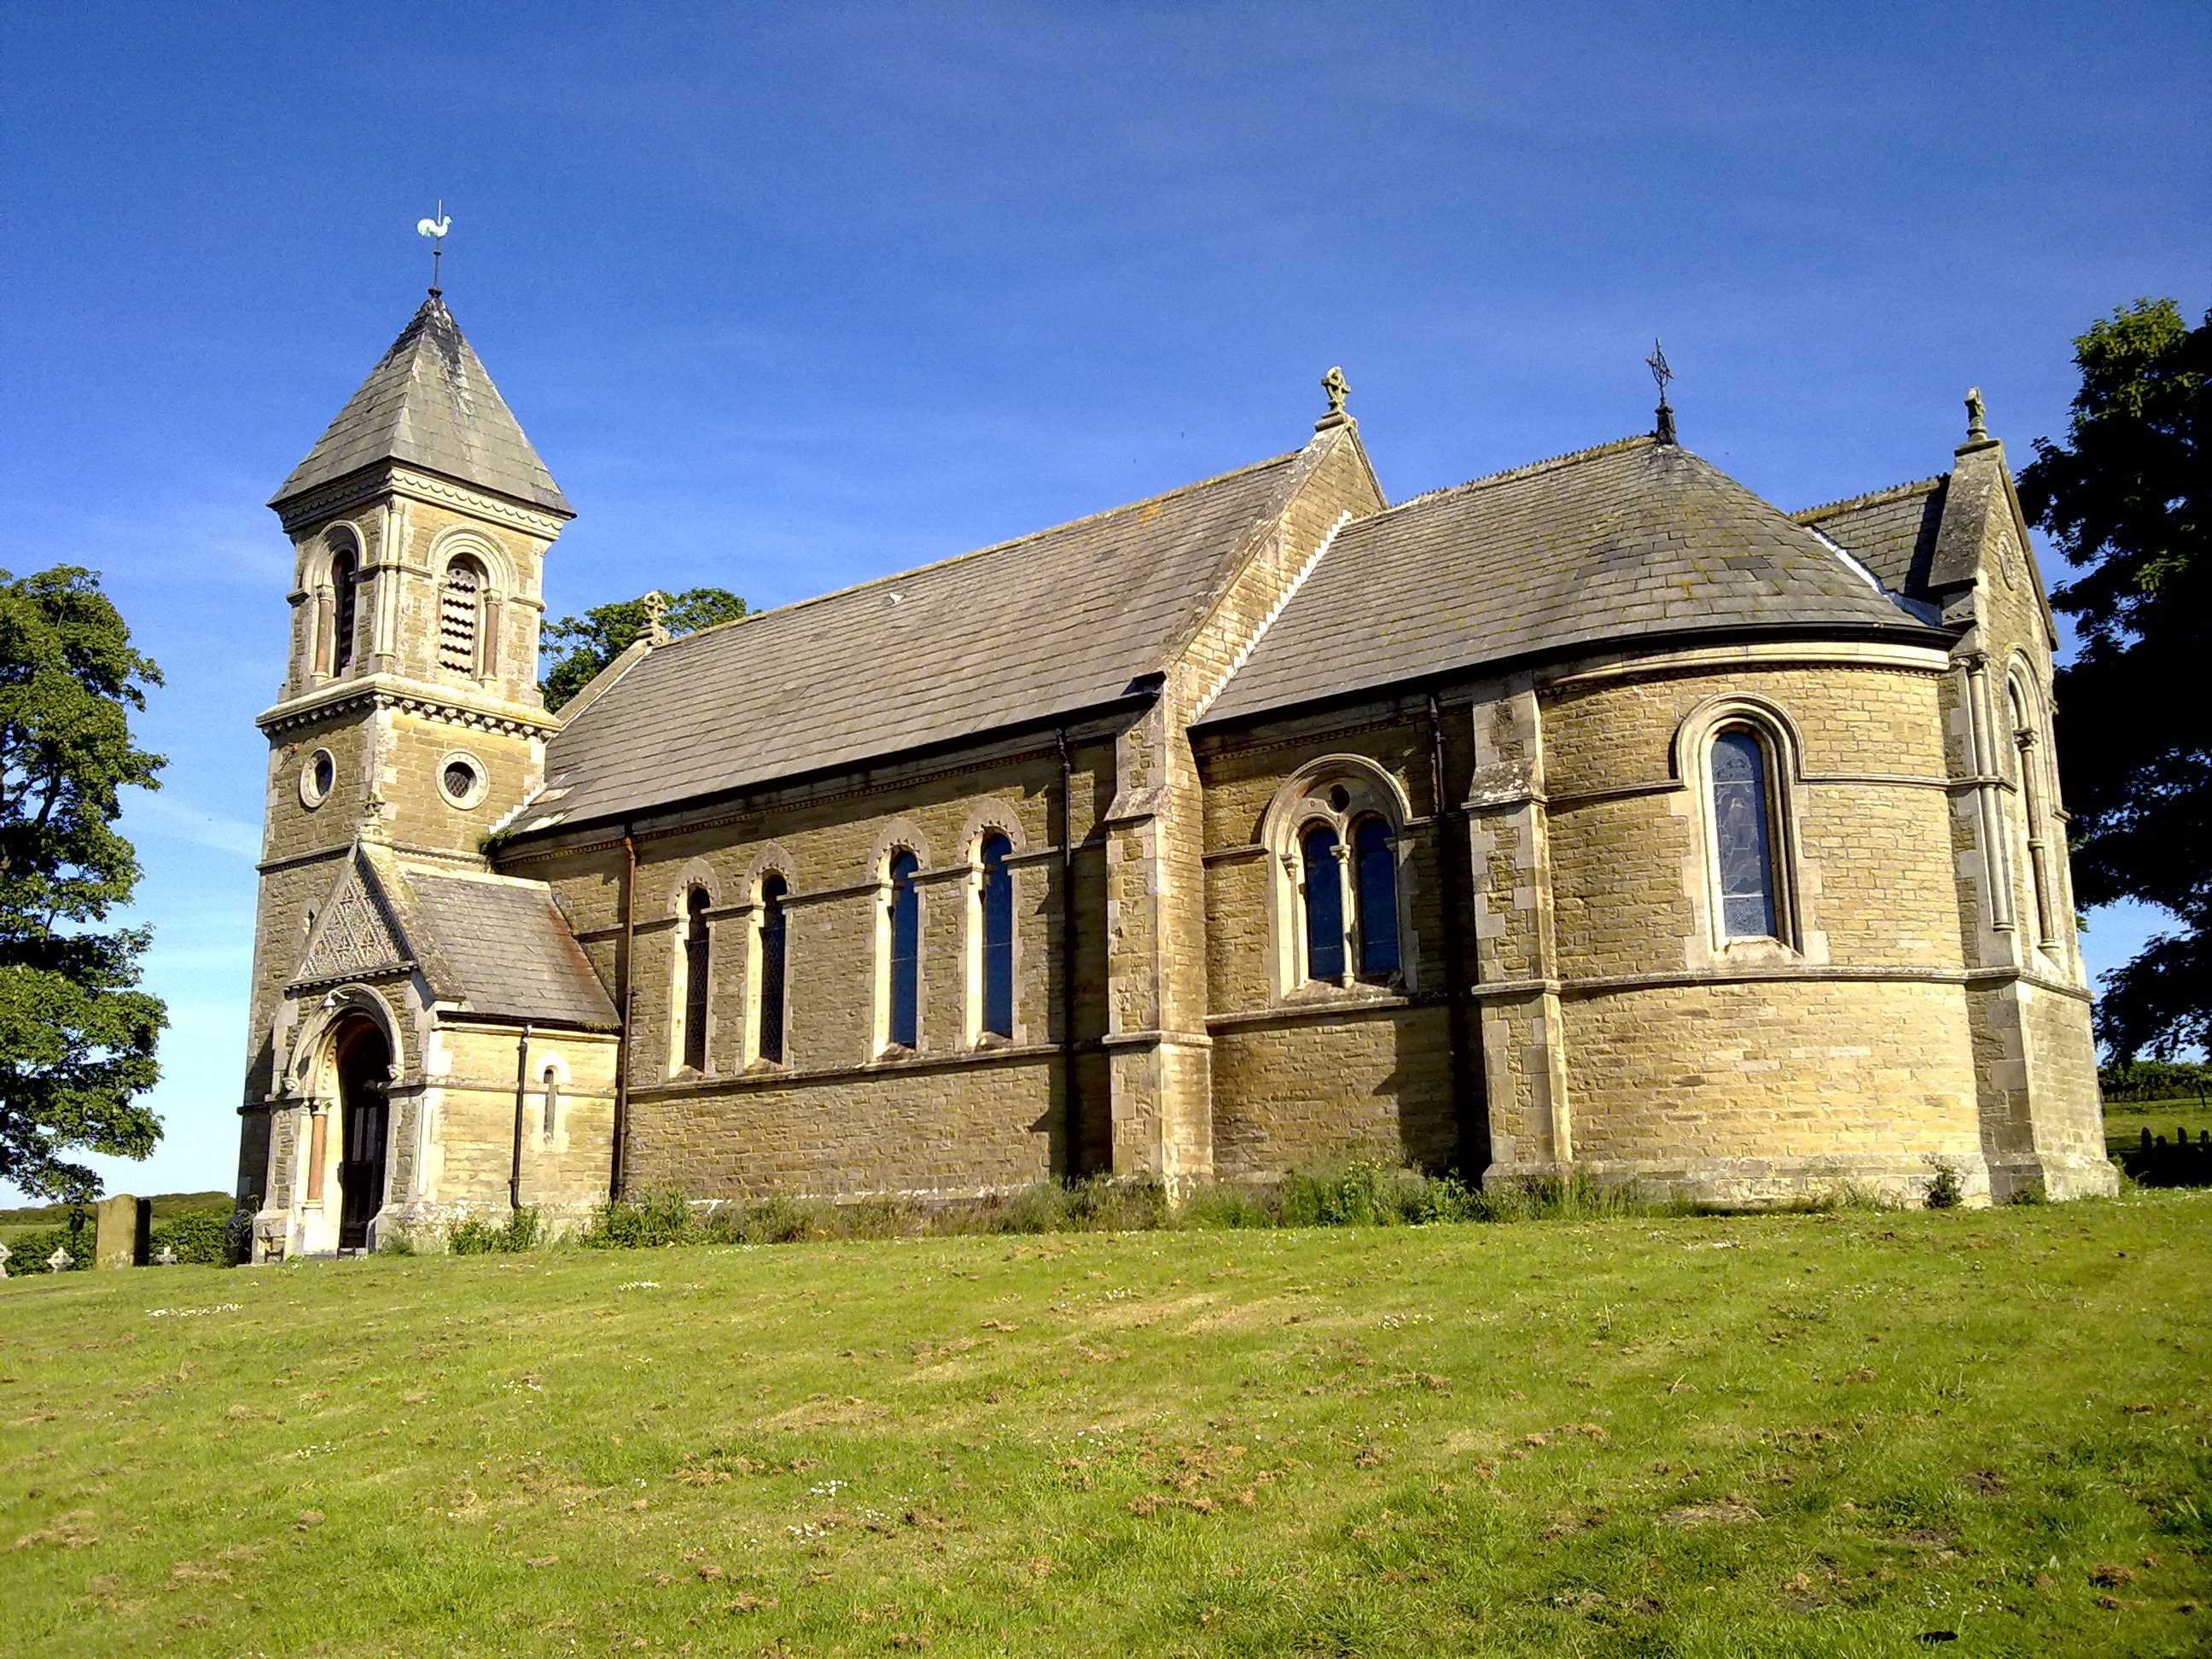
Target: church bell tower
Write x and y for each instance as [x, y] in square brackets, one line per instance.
[409, 716]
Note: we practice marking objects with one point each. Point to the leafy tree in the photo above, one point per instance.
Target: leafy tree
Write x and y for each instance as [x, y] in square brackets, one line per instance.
[2125, 498]
[581, 646]
[77, 1039]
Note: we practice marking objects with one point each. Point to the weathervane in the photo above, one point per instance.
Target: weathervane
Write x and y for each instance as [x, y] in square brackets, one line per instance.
[1657, 363]
[435, 229]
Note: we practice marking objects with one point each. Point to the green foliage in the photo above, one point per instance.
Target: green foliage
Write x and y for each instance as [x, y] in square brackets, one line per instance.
[2125, 498]
[518, 1232]
[578, 647]
[31, 1249]
[77, 1039]
[2155, 1079]
[1945, 1191]
[647, 1222]
[200, 1237]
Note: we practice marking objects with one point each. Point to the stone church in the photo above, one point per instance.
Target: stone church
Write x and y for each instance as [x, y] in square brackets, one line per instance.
[1595, 814]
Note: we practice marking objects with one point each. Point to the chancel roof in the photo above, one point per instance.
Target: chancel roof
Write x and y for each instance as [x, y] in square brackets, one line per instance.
[1057, 622]
[1891, 531]
[489, 945]
[1631, 540]
[430, 403]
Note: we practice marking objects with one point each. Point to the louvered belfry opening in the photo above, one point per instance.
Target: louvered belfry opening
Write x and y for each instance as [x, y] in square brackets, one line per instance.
[460, 616]
[343, 577]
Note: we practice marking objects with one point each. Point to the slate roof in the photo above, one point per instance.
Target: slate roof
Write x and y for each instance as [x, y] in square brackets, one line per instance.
[430, 403]
[492, 946]
[502, 948]
[1891, 531]
[1062, 620]
[1633, 539]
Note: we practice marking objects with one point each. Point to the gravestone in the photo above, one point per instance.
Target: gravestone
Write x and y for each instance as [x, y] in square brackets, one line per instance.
[124, 1238]
[4, 1254]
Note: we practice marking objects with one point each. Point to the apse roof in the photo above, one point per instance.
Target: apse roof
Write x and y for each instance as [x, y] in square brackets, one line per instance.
[1633, 539]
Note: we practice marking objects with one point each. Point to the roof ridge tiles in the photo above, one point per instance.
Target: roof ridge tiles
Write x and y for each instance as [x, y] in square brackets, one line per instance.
[1573, 457]
[1872, 498]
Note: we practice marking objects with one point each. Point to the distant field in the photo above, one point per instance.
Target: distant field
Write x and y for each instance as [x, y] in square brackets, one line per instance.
[1790, 1435]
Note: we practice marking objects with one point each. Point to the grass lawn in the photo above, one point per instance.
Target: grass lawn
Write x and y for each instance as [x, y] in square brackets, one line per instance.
[1832, 1435]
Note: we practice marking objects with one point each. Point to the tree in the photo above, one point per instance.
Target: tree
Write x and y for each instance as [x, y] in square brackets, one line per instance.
[580, 647]
[2125, 498]
[77, 1038]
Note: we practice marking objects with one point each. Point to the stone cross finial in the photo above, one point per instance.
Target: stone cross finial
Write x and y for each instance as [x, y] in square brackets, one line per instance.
[656, 618]
[61, 1260]
[1976, 430]
[1338, 389]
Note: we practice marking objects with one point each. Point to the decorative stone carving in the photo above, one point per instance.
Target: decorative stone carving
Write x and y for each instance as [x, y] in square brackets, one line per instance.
[354, 938]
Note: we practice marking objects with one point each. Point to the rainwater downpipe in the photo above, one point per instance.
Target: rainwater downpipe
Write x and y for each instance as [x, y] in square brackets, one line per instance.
[1071, 1127]
[521, 1085]
[622, 1008]
[1469, 1110]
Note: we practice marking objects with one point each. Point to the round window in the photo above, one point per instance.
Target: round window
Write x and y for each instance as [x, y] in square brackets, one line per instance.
[461, 779]
[1340, 798]
[316, 778]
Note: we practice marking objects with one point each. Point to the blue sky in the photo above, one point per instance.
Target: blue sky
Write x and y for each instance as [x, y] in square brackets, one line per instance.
[788, 296]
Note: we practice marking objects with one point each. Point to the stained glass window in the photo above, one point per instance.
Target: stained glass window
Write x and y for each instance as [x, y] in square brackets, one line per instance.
[998, 904]
[1743, 833]
[905, 1030]
[1378, 898]
[774, 939]
[1324, 881]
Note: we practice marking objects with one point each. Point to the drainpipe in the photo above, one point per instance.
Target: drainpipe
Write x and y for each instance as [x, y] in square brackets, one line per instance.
[1072, 1126]
[1469, 1111]
[521, 1084]
[616, 1173]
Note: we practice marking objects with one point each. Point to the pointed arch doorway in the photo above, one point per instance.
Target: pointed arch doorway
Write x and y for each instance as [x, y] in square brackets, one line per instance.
[364, 1073]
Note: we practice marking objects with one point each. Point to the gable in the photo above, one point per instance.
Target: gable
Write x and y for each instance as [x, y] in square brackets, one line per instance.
[357, 935]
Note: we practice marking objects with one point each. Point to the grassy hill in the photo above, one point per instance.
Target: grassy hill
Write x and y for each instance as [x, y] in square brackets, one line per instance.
[1847, 1434]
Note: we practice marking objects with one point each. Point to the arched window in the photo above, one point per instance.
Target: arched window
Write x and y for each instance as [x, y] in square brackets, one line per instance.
[996, 902]
[1324, 903]
[698, 969]
[774, 945]
[552, 1080]
[460, 616]
[1376, 858]
[1743, 833]
[345, 575]
[2025, 733]
[903, 1029]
